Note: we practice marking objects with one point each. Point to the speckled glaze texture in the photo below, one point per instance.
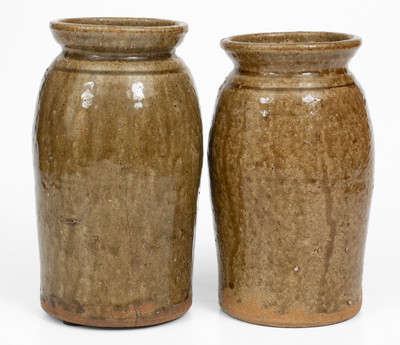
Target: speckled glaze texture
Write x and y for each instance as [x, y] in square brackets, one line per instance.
[117, 157]
[291, 168]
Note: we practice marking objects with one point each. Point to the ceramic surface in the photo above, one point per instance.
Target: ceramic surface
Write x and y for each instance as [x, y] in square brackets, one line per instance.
[117, 156]
[291, 168]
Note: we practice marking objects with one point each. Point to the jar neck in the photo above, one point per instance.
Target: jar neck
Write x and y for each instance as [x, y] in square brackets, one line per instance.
[112, 55]
[291, 62]
[291, 52]
[289, 82]
[118, 38]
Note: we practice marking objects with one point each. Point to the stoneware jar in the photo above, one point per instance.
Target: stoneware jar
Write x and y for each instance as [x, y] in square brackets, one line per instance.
[117, 157]
[291, 167]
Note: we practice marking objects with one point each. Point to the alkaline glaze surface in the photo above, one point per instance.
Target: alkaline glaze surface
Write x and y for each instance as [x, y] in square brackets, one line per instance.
[291, 168]
[117, 155]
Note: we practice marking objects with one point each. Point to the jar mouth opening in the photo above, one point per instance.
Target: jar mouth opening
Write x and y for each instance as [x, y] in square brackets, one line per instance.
[119, 24]
[298, 40]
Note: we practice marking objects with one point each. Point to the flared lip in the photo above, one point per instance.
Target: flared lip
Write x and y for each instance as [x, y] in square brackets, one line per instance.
[124, 25]
[290, 41]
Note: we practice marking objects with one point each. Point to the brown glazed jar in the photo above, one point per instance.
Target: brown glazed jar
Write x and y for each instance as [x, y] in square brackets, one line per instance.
[117, 156]
[291, 167]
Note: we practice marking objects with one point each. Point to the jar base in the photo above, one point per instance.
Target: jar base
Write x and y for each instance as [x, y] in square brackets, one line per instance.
[297, 319]
[115, 320]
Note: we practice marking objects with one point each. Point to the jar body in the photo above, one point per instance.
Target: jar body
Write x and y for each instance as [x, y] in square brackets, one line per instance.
[291, 165]
[117, 155]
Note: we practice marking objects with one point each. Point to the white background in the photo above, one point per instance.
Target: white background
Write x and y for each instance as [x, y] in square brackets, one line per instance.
[27, 48]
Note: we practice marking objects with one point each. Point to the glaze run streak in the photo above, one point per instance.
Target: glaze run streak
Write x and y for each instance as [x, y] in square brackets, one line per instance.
[291, 168]
[117, 155]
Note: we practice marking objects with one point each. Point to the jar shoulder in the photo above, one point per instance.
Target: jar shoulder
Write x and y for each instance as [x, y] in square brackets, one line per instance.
[95, 113]
[289, 82]
[81, 64]
[292, 129]
[296, 95]
[128, 85]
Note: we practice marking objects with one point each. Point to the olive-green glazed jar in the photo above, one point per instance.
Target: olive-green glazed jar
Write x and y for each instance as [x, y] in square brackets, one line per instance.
[117, 157]
[291, 167]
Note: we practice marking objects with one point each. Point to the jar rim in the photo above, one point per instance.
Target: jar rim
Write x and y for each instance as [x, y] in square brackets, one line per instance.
[119, 24]
[118, 36]
[291, 41]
